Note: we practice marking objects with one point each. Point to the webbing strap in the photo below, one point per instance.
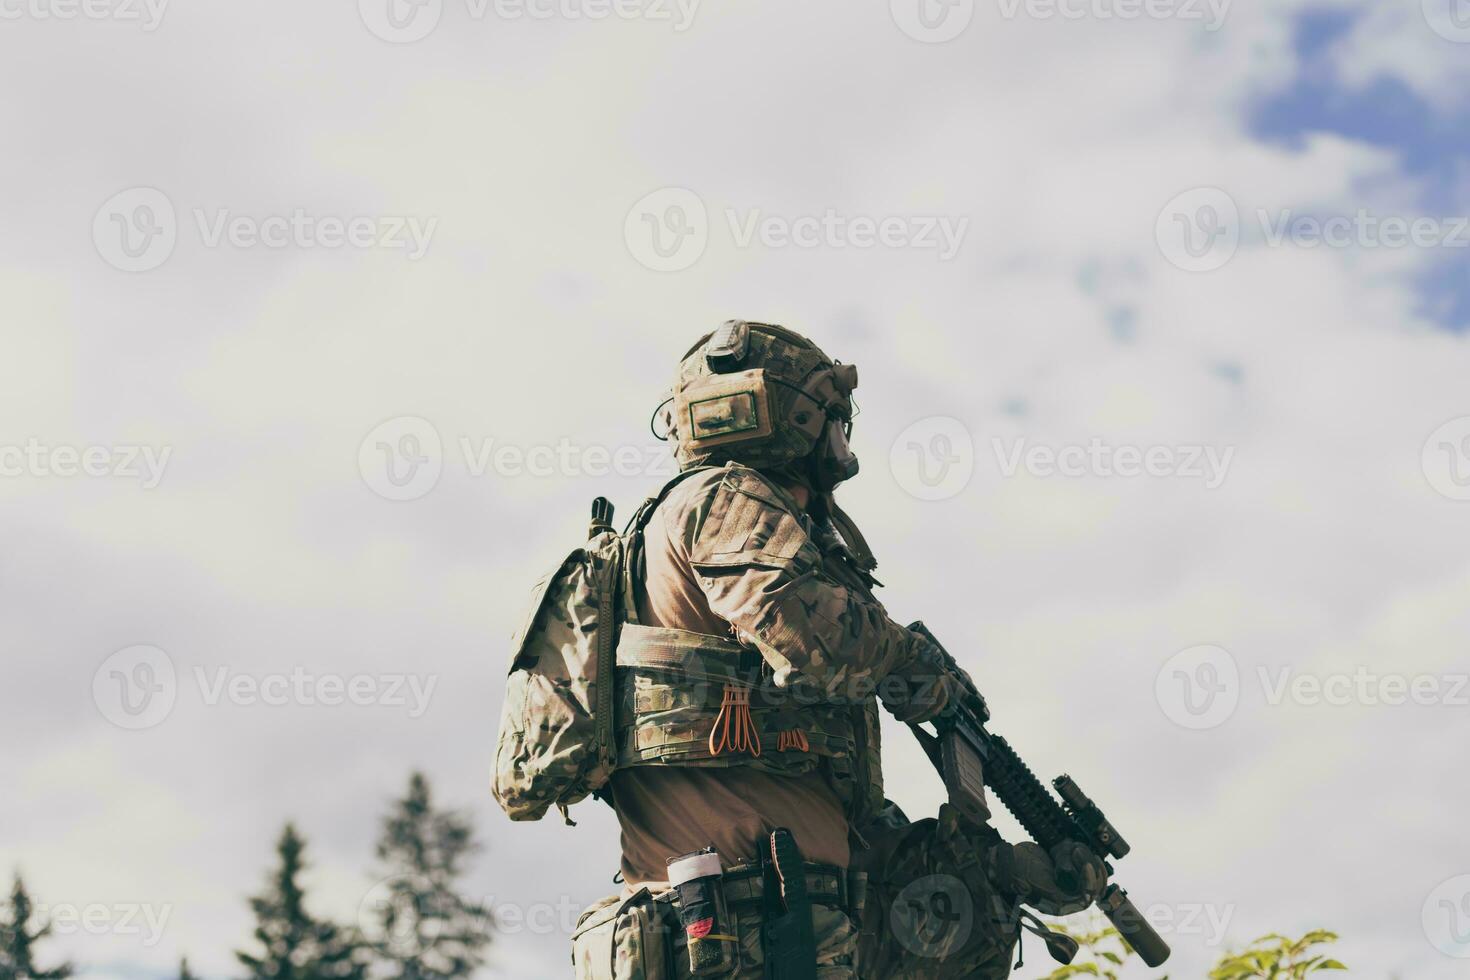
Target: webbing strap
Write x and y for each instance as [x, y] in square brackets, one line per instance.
[633, 536]
[826, 885]
[662, 648]
[607, 645]
[613, 581]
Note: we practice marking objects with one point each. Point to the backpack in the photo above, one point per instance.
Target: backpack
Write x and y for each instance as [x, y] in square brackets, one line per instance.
[556, 744]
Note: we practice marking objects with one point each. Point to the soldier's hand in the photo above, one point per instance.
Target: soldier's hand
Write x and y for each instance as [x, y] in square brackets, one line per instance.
[1067, 880]
[920, 690]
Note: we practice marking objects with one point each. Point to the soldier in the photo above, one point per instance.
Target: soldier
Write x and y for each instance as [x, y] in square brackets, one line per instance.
[756, 839]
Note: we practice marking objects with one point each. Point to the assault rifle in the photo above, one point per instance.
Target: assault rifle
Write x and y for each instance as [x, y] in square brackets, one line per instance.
[969, 758]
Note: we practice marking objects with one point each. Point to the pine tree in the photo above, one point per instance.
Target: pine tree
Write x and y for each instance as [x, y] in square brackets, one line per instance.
[18, 937]
[427, 929]
[294, 944]
[184, 973]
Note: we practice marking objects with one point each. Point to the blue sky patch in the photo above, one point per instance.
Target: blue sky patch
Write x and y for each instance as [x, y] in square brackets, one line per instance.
[1433, 145]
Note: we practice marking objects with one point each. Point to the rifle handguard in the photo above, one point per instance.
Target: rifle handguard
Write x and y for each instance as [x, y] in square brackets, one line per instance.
[964, 747]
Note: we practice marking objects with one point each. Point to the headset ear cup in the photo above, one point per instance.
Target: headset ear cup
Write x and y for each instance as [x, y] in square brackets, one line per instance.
[846, 376]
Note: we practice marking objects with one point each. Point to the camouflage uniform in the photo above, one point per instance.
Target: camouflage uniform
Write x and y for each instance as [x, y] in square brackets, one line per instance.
[796, 592]
[766, 673]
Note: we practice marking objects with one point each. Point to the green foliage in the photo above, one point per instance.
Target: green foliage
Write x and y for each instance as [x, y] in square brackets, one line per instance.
[294, 945]
[18, 937]
[1275, 957]
[184, 973]
[427, 930]
[1102, 952]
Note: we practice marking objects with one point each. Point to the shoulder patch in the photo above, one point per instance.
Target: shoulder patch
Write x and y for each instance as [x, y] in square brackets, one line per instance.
[749, 523]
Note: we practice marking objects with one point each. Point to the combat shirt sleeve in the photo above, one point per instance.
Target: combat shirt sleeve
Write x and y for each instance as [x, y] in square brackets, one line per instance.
[758, 567]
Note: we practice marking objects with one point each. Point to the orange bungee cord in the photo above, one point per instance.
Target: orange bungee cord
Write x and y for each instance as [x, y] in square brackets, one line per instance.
[734, 728]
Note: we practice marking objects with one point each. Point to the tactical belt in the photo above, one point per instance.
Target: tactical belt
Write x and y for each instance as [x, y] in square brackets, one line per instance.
[826, 884]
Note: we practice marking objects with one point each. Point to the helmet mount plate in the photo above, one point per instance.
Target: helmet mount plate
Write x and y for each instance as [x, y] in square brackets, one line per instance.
[724, 409]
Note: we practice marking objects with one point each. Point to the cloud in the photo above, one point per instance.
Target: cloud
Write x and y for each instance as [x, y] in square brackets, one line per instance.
[528, 322]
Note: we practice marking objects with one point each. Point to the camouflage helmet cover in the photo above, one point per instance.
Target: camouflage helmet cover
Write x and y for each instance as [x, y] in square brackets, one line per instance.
[757, 394]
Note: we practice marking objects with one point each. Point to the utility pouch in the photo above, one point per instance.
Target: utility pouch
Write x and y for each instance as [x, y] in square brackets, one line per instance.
[790, 943]
[623, 939]
[704, 912]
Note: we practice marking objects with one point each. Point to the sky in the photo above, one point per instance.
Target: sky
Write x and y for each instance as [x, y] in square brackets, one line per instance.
[324, 323]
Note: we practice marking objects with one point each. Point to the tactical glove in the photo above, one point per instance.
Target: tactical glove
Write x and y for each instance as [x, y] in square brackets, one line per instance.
[921, 689]
[1067, 880]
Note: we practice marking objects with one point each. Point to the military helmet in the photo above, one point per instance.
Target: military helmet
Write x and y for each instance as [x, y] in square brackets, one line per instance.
[767, 397]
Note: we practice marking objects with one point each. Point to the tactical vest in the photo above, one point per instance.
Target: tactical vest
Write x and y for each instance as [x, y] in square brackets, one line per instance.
[679, 698]
[696, 699]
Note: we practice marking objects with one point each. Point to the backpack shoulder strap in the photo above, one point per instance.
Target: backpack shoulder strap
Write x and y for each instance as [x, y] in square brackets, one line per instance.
[633, 565]
[624, 580]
